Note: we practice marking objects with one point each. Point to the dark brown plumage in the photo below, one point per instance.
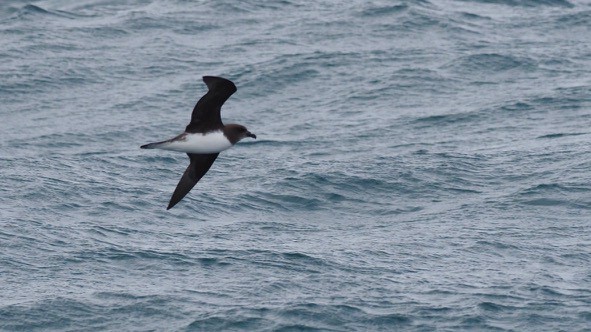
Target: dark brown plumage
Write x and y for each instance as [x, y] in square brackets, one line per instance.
[205, 119]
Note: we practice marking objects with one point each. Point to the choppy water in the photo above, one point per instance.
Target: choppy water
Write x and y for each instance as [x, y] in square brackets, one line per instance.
[420, 165]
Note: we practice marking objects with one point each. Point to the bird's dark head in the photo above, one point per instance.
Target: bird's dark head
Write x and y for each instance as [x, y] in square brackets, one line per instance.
[236, 132]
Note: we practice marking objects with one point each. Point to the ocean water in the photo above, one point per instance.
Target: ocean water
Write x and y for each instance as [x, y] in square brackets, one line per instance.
[420, 165]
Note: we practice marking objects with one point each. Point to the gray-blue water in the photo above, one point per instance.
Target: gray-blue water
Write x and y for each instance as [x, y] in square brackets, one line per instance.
[419, 165]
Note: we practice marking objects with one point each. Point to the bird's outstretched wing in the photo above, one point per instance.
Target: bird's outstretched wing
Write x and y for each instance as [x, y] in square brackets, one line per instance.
[206, 113]
[200, 164]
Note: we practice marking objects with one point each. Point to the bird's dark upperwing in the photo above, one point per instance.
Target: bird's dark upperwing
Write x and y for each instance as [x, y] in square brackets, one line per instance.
[206, 114]
[200, 164]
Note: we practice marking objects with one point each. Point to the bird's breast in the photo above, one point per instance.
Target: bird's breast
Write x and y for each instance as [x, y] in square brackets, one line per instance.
[212, 142]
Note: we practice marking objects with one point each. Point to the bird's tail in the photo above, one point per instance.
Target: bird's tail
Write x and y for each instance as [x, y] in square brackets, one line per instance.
[152, 145]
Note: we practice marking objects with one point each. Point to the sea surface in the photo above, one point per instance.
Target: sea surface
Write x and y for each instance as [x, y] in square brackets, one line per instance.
[420, 165]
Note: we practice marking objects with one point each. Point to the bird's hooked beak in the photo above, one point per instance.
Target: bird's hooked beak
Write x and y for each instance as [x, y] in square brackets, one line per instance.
[249, 134]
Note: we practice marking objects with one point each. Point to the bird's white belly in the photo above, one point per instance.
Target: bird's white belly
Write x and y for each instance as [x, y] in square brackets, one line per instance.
[212, 142]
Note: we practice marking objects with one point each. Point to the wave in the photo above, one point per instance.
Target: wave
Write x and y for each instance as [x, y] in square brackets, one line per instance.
[526, 3]
[30, 11]
[490, 63]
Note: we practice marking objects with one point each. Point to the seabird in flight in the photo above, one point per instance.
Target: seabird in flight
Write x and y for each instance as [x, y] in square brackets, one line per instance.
[205, 136]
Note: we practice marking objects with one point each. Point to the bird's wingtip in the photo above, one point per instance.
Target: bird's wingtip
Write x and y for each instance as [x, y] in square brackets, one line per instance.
[220, 83]
[170, 205]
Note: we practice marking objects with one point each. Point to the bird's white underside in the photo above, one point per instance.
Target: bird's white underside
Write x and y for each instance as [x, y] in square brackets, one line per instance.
[212, 142]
